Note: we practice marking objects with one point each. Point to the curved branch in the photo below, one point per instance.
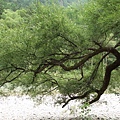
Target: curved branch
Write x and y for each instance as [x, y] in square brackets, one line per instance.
[87, 57]
[106, 81]
[8, 81]
[107, 76]
[92, 77]
[76, 97]
[72, 43]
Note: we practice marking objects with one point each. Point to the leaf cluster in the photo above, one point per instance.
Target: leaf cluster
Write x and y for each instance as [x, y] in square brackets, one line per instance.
[69, 49]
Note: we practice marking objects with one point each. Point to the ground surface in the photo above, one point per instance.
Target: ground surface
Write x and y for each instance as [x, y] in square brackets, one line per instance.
[23, 108]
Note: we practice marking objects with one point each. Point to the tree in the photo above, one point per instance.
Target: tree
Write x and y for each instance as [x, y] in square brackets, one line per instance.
[3, 5]
[58, 48]
[14, 4]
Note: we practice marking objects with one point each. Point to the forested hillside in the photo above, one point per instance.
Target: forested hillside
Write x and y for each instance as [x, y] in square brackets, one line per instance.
[18, 4]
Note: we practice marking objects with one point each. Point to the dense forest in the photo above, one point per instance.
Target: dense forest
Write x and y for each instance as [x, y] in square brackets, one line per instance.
[18, 4]
[68, 46]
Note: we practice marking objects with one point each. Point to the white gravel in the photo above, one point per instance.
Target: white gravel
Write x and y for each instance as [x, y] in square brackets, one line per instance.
[24, 108]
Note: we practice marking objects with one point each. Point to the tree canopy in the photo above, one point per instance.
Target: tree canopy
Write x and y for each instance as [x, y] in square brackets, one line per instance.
[74, 50]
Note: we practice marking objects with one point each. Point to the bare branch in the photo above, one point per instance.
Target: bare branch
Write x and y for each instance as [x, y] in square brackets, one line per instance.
[8, 81]
[117, 45]
[9, 74]
[68, 40]
[6, 68]
[40, 68]
[92, 77]
[97, 43]
[106, 81]
[17, 68]
[87, 57]
[76, 97]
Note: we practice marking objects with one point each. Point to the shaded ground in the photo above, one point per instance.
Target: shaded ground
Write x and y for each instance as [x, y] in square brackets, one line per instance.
[23, 108]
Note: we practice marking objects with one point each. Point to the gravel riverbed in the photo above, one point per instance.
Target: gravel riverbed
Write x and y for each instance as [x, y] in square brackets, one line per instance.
[24, 108]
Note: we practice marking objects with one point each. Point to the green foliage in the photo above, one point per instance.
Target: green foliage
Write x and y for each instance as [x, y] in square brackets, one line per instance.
[36, 43]
[104, 15]
[3, 5]
[11, 18]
